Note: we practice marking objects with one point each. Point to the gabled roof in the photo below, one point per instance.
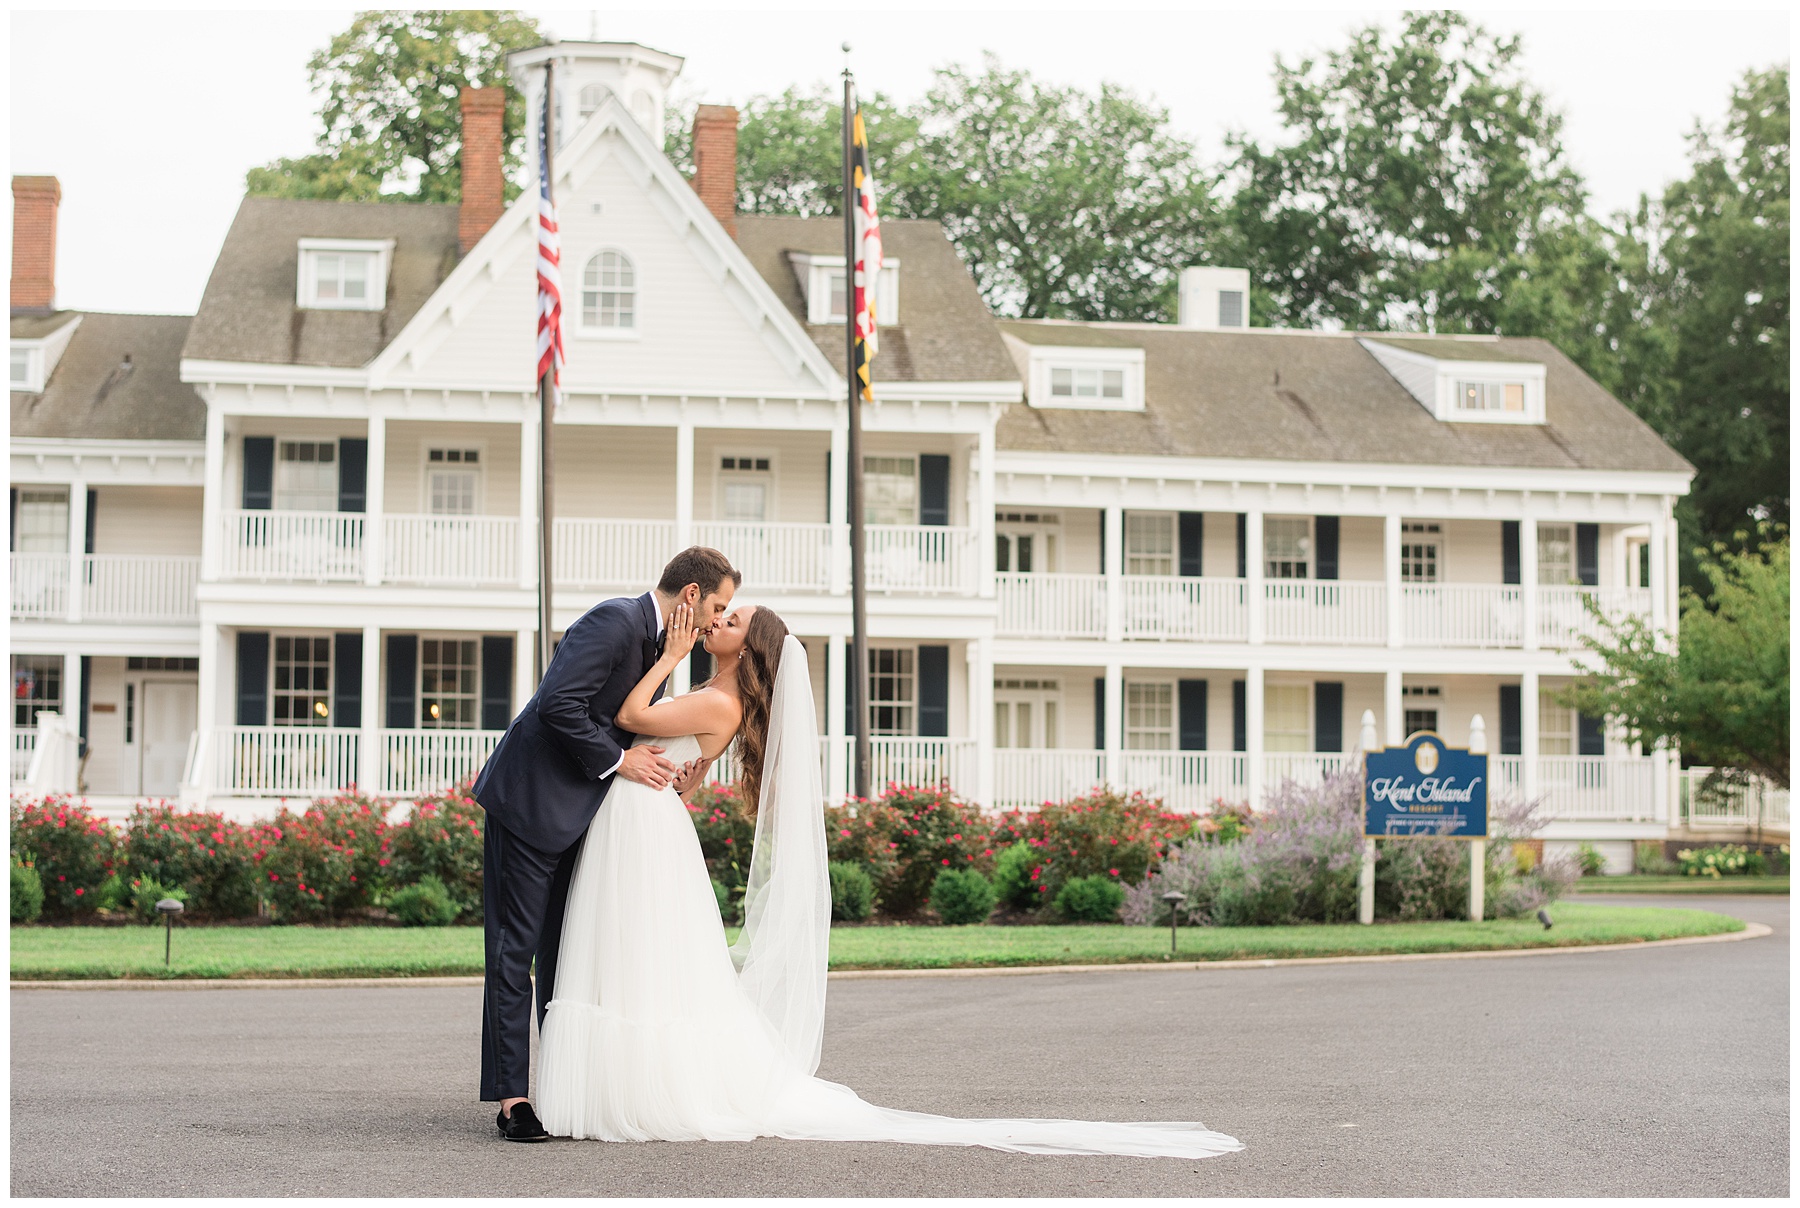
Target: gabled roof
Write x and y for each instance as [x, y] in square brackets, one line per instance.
[119, 379]
[1307, 396]
[248, 312]
[945, 334]
[37, 326]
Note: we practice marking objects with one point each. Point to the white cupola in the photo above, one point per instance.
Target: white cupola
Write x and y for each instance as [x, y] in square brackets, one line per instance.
[1213, 299]
[587, 71]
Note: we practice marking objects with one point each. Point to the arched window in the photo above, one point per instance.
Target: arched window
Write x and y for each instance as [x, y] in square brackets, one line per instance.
[591, 96]
[609, 292]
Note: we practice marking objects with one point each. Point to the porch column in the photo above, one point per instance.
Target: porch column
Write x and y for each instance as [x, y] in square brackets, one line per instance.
[71, 701]
[684, 485]
[198, 781]
[984, 515]
[1113, 567]
[980, 654]
[837, 516]
[1528, 737]
[370, 772]
[1114, 735]
[1255, 597]
[1395, 709]
[528, 506]
[1390, 527]
[375, 509]
[1528, 580]
[78, 490]
[523, 685]
[1659, 572]
[837, 762]
[1671, 586]
[1254, 771]
[212, 498]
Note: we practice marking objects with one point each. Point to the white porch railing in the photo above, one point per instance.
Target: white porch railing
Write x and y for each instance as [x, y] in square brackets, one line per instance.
[1326, 611]
[1192, 610]
[306, 546]
[452, 550]
[1188, 782]
[24, 742]
[1563, 620]
[1741, 807]
[1598, 788]
[774, 557]
[283, 761]
[429, 761]
[630, 554]
[926, 558]
[1051, 606]
[40, 586]
[908, 761]
[1462, 614]
[1028, 777]
[1302, 767]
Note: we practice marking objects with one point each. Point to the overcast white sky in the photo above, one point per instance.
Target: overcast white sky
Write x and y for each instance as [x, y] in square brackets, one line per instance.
[150, 119]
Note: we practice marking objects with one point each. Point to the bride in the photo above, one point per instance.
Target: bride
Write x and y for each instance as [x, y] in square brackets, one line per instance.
[660, 1031]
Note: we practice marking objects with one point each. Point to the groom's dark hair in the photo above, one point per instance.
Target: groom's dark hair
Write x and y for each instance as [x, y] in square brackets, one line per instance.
[698, 564]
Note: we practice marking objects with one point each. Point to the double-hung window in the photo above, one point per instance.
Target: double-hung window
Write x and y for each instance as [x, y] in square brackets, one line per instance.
[449, 684]
[1421, 701]
[302, 695]
[1287, 717]
[1287, 546]
[1556, 725]
[37, 688]
[890, 490]
[1149, 543]
[1556, 554]
[452, 481]
[609, 293]
[893, 692]
[1149, 717]
[344, 274]
[1419, 552]
[306, 478]
[42, 520]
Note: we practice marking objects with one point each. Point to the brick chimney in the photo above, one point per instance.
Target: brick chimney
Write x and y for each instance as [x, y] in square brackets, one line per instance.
[35, 199]
[483, 178]
[715, 162]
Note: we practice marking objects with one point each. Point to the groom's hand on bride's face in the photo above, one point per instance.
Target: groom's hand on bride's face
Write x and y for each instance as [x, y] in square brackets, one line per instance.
[646, 765]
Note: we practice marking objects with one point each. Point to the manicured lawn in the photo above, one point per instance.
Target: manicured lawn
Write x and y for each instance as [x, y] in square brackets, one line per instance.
[1642, 884]
[44, 953]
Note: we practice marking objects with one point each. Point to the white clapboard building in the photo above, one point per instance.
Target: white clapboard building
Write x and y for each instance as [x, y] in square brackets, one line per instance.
[288, 545]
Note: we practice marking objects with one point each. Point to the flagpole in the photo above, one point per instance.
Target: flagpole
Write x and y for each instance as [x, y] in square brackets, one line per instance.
[546, 406]
[859, 627]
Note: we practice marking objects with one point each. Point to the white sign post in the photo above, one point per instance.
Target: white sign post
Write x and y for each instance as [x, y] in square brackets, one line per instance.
[1429, 750]
[1477, 847]
[1365, 907]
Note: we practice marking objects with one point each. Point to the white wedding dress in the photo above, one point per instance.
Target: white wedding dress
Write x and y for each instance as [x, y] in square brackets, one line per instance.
[660, 1031]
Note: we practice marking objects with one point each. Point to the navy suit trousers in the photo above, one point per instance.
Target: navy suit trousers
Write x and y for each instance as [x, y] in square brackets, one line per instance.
[524, 891]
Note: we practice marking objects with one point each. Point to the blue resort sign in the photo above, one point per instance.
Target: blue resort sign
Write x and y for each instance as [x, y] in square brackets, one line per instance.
[1425, 789]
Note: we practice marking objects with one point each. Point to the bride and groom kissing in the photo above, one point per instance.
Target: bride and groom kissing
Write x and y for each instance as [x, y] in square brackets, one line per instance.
[651, 1026]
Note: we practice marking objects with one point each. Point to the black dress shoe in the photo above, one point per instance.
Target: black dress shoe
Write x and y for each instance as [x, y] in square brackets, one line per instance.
[522, 1125]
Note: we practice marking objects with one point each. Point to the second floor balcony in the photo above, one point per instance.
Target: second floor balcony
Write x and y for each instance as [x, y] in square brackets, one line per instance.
[105, 588]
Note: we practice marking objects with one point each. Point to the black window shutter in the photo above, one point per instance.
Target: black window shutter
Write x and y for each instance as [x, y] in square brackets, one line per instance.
[252, 678]
[829, 503]
[934, 489]
[1325, 556]
[353, 474]
[402, 681]
[1512, 720]
[1243, 531]
[934, 691]
[87, 679]
[1328, 716]
[1509, 551]
[496, 682]
[1103, 541]
[1240, 716]
[1592, 734]
[93, 501]
[1099, 713]
[259, 473]
[850, 692]
[1192, 526]
[1191, 714]
[346, 680]
[1587, 554]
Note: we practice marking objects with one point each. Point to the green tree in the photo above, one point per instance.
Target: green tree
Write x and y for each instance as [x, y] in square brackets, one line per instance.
[1421, 186]
[1723, 693]
[1708, 267]
[392, 112]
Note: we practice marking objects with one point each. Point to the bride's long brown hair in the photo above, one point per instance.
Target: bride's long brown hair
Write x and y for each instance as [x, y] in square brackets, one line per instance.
[757, 664]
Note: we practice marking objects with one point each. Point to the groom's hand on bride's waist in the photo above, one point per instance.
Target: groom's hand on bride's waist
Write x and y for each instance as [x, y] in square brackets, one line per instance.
[646, 765]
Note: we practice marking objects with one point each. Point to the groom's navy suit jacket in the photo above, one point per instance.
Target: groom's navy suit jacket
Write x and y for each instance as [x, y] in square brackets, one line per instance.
[547, 777]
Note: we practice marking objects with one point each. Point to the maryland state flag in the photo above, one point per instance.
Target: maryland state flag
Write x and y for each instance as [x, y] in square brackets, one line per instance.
[866, 239]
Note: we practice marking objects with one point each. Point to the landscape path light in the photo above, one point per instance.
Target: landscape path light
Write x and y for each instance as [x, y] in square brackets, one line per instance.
[1174, 898]
[168, 908]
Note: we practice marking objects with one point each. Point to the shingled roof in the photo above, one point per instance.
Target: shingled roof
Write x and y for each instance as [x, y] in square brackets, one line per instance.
[1305, 396]
[945, 333]
[119, 379]
[248, 312]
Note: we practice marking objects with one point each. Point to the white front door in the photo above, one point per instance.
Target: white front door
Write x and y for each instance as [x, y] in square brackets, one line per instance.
[170, 711]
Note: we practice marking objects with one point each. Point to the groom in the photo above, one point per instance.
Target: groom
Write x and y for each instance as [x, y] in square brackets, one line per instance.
[543, 785]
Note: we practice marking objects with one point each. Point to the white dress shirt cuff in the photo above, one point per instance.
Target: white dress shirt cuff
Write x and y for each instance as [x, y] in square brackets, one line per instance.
[615, 767]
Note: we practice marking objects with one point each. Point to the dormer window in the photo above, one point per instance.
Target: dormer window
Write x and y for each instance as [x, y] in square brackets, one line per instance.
[1094, 379]
[1464, 381]
[822, 281]
[344, 274]
[27, 367]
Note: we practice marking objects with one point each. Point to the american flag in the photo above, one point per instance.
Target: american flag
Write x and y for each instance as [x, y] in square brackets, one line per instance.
[867, 239]
[549, 268]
